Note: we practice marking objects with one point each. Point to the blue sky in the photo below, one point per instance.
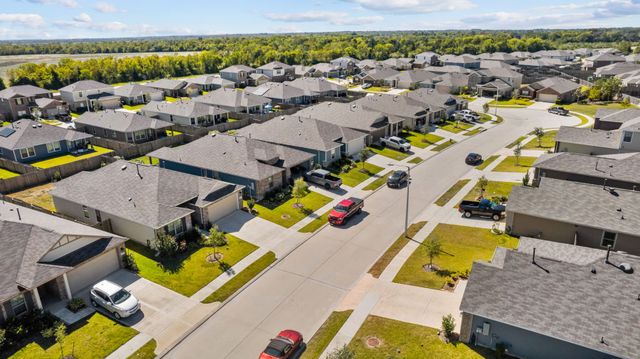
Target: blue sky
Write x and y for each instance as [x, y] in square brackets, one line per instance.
[52, 19]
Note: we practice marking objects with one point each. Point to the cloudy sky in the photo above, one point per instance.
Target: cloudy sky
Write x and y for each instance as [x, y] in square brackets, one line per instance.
[52, 19]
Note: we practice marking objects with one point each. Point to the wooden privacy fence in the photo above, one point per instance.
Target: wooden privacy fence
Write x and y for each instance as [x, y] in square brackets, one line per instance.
[131, 150]
[16, 166]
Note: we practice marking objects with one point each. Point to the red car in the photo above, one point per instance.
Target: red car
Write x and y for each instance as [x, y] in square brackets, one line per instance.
[345, 210]
[283, 346]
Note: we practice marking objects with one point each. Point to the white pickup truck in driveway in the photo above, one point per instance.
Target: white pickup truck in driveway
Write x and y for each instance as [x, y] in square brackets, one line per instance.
[397, 143]
[323, 178]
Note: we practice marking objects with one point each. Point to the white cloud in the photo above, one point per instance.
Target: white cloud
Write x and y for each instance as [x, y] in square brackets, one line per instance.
[29, 20]
[83, 17]
[105, 7]
[331, 17]
[617, 8]
[66, 3]
[413, 6]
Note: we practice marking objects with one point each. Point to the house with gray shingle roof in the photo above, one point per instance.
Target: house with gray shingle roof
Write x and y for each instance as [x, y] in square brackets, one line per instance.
[141, 201]
[122, 126]
[327, 70]
[399, 64]
[600, 60]
[314, 87]
[452, 83]
[283, 93]
[136, 94]
[616, 69]
[17, 101]
[494, 88]
[277, 71]
[259, 166]
[562, 302]
[238, 74]
[410, 79]
[28, 141]
[576, 213]
[235, 101]
[415, 114]
[427, 58]
[175, 88]
[438, 101]
[50, 108]
[210, 82]
[376, 76]
[465, 61]
[328, 142]
[89, 95]
[551, 89]
[613, 119]
[186, 113]
[46, 259]
[347, 64]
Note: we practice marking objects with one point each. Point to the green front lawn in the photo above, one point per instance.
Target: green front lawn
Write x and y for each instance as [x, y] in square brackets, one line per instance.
[509, 164]
[173, 133]
[146, 160]
[519, 140]
[493, 189]
[451, 192]
[6, 174]
[443, 145]
[377, 89]
[487, 161]
[94, 337]
[61, 160]
[474, 131]
[405, 340]
[421, 140]
[451, 126]
[231, 119]
[133, 108]
[515, 103]
[547, 142]
[388, 152]
[375, 184]
[190, 271]
[484, 118]
[316, 223]
[461, 246]
[321, 339]
[285, 214]
[240, 279]
[583, 119]
[415, 160]
[591, 109]
[146, 351]
[381, 264]
[357, 175]
[468, 98]
[74, 115]
[6, 123]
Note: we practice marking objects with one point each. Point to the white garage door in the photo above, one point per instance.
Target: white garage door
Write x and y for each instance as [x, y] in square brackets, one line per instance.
[547, 97]
[355, 147]
[91, 272]
[223, 208]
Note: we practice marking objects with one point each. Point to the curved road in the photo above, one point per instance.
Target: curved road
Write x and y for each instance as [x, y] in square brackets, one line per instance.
[301, 290]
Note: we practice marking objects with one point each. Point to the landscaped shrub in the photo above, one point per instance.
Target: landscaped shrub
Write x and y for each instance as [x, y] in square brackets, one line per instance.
[18, 329]
[165, 244]
[130, 262]
[3, 337]
[448, 325]
[76, 304]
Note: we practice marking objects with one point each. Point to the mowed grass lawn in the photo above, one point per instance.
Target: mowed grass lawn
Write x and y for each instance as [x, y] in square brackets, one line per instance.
[451, 192]
[381, 264]
[133, 108]
[486, 162]
[461, 246]
[37, 196]
[321, 339]
[389, 152]
[375, 184]
[94, 337]
[443, 145]
[316, 223]
[190, 271]
[493, 189]
[421, 140]
[406, 340]
[547, 141]
[520, 102]
[146, 351]
[509, 164]
[357, 175]
[452, 127]
[591, 109]
[6, 174]
[61, 160]
[286, 214]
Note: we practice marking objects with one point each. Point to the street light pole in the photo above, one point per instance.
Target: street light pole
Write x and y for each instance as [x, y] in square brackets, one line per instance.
[496, 107]
[406, 210]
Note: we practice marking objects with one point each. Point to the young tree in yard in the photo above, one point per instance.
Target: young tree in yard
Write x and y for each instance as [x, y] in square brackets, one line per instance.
[299, 190]
[483, 182]
[165, 244]
[448, 325]
[517, 151]
[539, 132]
[216, 238]
[433, 246]
[251, 203]
[342, 353]
[485, 107]
[526, 179]
[364, 155]
[59, 333]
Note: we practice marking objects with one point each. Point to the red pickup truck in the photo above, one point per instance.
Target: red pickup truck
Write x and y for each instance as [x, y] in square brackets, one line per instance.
[345, 210]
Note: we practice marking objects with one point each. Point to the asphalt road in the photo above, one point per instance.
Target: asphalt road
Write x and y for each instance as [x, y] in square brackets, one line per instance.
[300, 291]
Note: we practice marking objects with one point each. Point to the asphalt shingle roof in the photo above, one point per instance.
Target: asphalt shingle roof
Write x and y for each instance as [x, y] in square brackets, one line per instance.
[22, 91]
[167, 84]
[190, 108]
[590, 137]
[350, 115]
[209, 80]
[625, 169]
[84, 85]
[29, 133]
[133, 90]
[232, 98]
[558, 84]
[619, 116]
[274, 65]
[276, 90]
[316, 85]
[395, 105]
[121, 121]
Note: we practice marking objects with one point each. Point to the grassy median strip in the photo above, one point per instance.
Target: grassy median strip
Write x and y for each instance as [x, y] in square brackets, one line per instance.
[487, 162]
[415, 160]
[443, 145]
[475, 131]
[315, 223]
[240, 279]
[146, 351]
[324, 335]
[451, 192]
[374, 185]
[519, 140]
[381, 264]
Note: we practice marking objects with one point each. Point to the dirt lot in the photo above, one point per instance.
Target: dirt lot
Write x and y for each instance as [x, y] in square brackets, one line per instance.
[37, 196]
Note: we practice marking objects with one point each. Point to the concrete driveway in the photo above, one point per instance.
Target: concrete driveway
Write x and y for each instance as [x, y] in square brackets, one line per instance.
[251, 228]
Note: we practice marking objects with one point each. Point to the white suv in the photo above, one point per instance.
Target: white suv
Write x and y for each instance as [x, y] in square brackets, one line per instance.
[114, 299]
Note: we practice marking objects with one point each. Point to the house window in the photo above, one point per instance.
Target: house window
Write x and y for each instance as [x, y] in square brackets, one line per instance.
[20, 101]
[608, 239]
[140, 135]
[114, 134]
[53, 147]
[628, 136]
[18, 305]
[79, 94]
[85, 211]
[27, 152]
[175, 228]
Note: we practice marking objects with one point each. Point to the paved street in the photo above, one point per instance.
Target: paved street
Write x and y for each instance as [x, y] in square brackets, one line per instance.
[304, 287]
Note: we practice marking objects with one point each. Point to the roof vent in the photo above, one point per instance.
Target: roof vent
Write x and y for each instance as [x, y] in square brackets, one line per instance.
[34, 126]
[39, 125]
[593, 270]
[124, 167]
[626, 267]
[282, 118]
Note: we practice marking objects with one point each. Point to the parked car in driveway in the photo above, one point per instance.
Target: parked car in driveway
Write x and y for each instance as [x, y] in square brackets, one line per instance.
[558, 111]
[397, 143]
[484, 208]
[468, 114]
[284, 346]
[344, 210]
[473, 159]
[397, 179]
[323, 178]
[114, 299]
[365, 86]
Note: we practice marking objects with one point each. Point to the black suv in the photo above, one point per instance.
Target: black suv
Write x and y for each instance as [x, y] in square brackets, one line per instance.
[397, 179]
[473, 159]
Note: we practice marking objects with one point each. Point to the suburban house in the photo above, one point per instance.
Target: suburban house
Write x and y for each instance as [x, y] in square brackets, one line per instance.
[347, 65]
[50, 108]
[499, 57]
[375, 77]
[238, 74]
[175, 88]
[235, 101]
[317, 87]
[425, 59]
[552, 89]
[466, 61]
[186, 113]
[122, 126]
[368, 64]
[259, 166]
[576, 213]
[399, 64]
[140, 201]
[438, 101]
[89, 95]
[414, 114]
[495, 88]
[453, 83]
[492, 64]
[616, 171]
[616, 69]
[210, 82]
[256, 79]
[16, 101]
[46, 259]
[327, 70]
[28, 141]
[511, 77]
[326, 141]
[375, 124]
[410, 79]
[563, 55]
[544, 62]
[279, 92]
[630, 82]
[448, 69]
[136, 94]
[610, 119]
[277, 71]
[305, 71]
[601, 60]
[553, 300]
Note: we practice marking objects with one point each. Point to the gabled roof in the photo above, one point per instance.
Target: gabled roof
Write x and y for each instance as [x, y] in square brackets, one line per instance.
[395, 105]
[22, 91]
[315, 85]
[167, 84]
[500, 72]
[617, 68]
[492, 64]
[624, 169]
[232, 98]
[235, 155]
[273, 65]
[301, 132]
[29, 133]
[394, 62]
[618, 116]
[433, 99]
[453, 79]
[462, 59]
[238, 68]
[121, 121]
[542, 62]
[427, 54]
[369, 63]
[148, 195]
[412, 76]
[380, 73]
[209, 80]
[350, 115]
[276, 90]
[557, 84]
[325, 67]
[84, 85]
[589, 137]
[497, 84]
[190, 108]
[448, 69]
[44, 102]
[133, 90]
[606, 57]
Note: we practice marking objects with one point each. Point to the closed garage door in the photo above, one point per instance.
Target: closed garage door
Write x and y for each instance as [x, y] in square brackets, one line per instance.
[223, 208]
[544, 97]
[91, 272]
[355, 147]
